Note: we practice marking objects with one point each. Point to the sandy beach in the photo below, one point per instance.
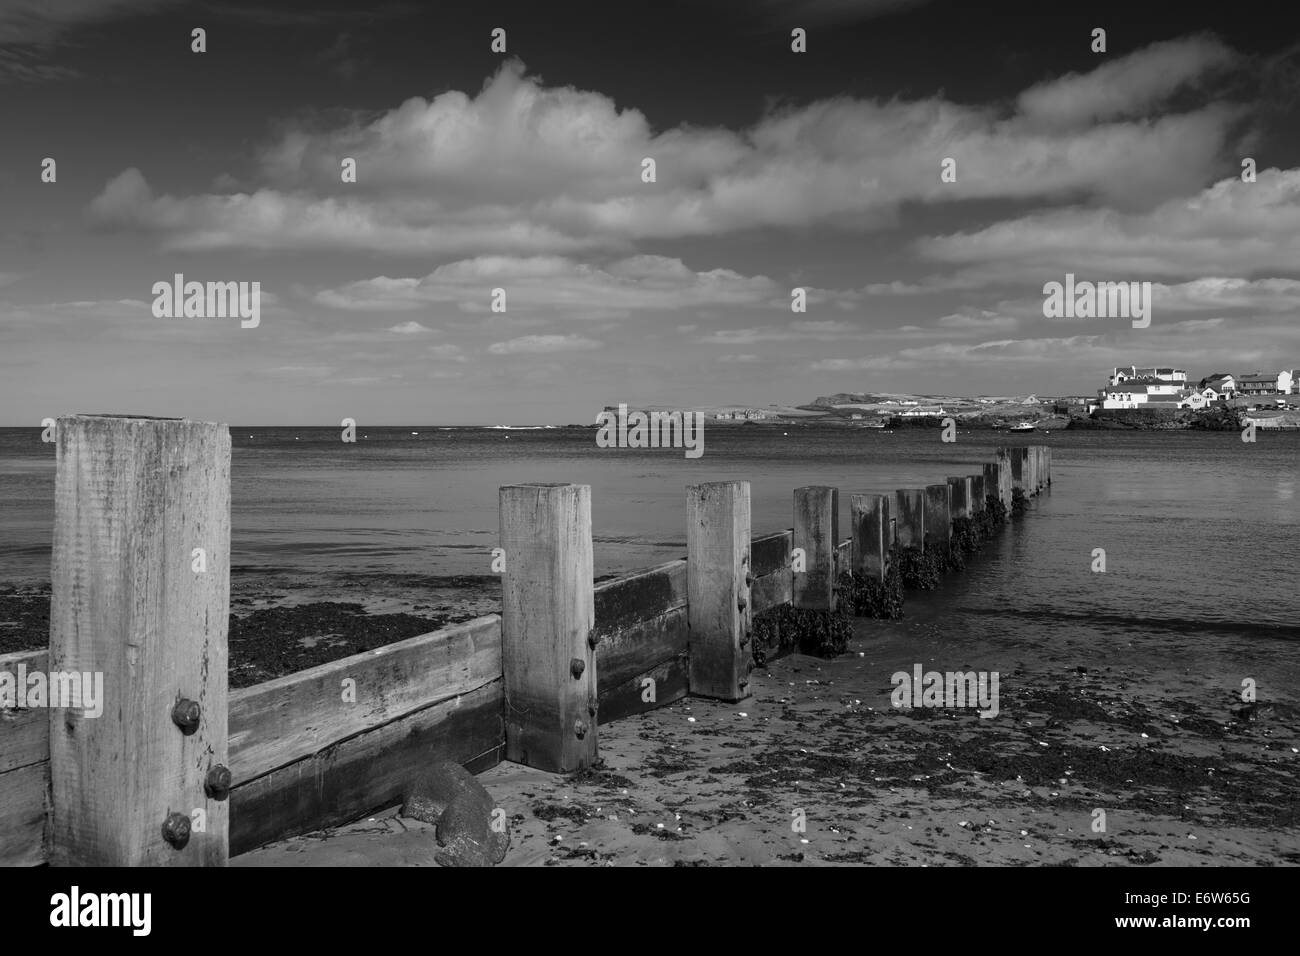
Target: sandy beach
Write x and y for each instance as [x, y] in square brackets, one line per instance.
[1183, 780]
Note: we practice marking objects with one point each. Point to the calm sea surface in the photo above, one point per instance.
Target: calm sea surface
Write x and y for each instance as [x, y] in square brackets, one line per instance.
[1201, 531]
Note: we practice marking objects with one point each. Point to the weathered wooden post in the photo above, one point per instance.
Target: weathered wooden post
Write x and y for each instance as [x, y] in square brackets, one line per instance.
[938, 516]
[871, 528]
[817, 532]
[909, 528]
[718, 582]
[959, 496]
[991, 479]
[1006, 482]
[1047, 453]
[1019, 468]
[547, 614]
[1031, 463]
[139, 612]
[977, 494]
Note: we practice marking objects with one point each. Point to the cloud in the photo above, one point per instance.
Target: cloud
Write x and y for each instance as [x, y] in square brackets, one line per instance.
[743, 359]
[1213, 293]
[521, 168]
[578, 289]
[1002, 351]
[1129, 86]
[409, 328]
[811, 331]
[271, 220]
[42, 21]
[1229, 227]
[19, 65]
[980, 319]
[537, 344]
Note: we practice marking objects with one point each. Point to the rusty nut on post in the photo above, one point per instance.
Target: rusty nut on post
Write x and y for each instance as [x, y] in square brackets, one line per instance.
[176, 830]
[576, 666]
[186, 714]
[580, 728]
[741, 604]
[749, 580]
[218, 782]
[592, 638]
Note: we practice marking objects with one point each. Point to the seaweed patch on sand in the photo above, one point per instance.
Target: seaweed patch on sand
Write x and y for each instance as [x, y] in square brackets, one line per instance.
[24, 618]
[274, 641]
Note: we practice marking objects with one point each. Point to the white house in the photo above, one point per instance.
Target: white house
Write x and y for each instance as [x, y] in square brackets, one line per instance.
[1174, 376]
[1221, 382]
[1123, 396]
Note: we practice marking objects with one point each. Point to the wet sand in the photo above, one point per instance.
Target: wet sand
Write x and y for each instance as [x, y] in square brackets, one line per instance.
[1184, 773]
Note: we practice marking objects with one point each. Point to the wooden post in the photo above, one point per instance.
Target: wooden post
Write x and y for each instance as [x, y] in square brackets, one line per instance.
[997, 479]
[991, 479]
[1006, 481]
[718, 581]
[960, 497]
[817, 531]
[1019, 470]
[870, 535]
[1031, 468]
[135, 604]
[910, 508]
[938, 516]
[977, 494]
[547, 614]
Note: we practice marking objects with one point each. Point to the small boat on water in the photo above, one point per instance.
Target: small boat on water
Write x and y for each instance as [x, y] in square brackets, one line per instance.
[1022, 427]
[875, 424]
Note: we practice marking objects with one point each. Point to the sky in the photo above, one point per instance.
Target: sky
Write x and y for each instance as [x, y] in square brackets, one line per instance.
[523, 170]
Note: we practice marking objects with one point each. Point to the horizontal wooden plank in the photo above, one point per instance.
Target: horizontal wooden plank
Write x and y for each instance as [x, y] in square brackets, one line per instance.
[625, 699]
[284, 720]
[770, 552]
[771, 589]
[638, 597]
[368, 772]
[24, 734]
[634, 650]
[23, 812]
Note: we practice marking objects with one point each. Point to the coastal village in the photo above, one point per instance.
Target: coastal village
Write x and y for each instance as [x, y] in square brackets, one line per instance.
[1134, 396]
[1155, 387]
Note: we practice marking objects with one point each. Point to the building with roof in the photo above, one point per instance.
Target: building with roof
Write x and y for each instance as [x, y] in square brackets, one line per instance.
[1265, 383]
[1177, 376]
[1222, 382]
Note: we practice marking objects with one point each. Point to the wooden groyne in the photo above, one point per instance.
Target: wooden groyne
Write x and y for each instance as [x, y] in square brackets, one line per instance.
[178, 770]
